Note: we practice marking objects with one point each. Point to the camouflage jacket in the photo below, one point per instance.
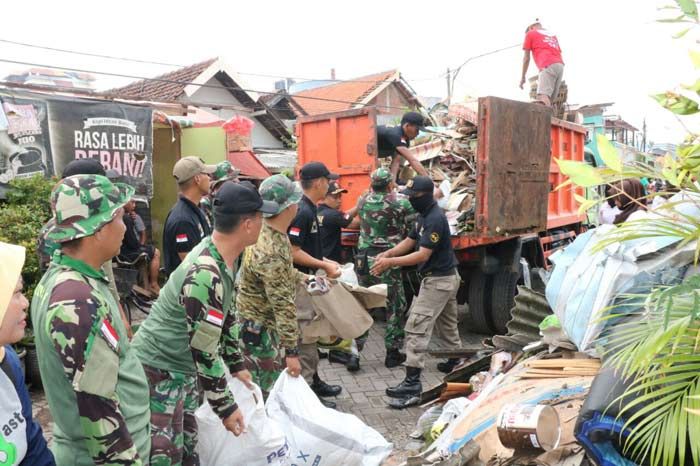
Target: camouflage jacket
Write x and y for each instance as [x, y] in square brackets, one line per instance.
[93, 381]
[385, 219]
[192, 320]
[267, 286]
[206, 205]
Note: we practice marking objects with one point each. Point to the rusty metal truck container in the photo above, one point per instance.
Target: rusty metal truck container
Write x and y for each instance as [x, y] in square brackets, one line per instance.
[518, 212]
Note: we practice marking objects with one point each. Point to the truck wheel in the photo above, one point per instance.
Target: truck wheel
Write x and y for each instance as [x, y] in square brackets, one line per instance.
[502, 299]
[478, 307]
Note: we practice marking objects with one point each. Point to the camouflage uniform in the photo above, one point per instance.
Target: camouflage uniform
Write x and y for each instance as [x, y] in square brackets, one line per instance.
[97, 391]
[183, 344]
[267, 318]
[384, 220]
[224, 172]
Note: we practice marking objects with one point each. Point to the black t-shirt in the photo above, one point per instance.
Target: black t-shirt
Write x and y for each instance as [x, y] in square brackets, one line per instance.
[433, 232]
[304, 231]
[185, 226]
[330, 222]
[389, 138]
[130, 244]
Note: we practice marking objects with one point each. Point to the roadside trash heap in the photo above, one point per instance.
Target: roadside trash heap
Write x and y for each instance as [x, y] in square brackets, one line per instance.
[541, 394]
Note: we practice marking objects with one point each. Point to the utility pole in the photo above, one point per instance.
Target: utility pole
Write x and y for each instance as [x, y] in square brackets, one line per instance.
[449, 88]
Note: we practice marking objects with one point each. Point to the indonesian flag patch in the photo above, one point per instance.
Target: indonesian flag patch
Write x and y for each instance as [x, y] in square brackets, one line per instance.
[181, 238]
[110, 335]
[294, 231]
[215, 317]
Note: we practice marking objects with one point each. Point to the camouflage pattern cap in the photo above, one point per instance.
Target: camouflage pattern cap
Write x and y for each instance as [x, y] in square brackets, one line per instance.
[381, 176]
[282, 190]
[224, 172]
[82, 204]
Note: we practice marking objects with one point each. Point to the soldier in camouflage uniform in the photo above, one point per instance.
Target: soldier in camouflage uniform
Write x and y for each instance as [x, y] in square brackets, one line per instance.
[385, 217]
[224, 172]
[188, 338]
[95, 385]
[267, 318]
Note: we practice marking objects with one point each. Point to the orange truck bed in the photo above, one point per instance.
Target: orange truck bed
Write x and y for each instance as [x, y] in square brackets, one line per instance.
[516, 171]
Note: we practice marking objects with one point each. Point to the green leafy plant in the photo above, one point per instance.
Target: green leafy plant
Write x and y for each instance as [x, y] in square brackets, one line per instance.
[655, 345]
[22, 215]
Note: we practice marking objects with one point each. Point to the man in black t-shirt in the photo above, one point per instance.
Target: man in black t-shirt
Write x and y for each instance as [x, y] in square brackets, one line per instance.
[307, 254]
[436, 303]
[393, 142]
[186, 224]
[331, 220]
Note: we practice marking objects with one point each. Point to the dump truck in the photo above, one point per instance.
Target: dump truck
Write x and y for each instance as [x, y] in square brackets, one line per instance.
[520, 218]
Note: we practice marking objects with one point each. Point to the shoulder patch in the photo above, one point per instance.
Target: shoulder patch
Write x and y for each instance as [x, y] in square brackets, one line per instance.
[434, 237]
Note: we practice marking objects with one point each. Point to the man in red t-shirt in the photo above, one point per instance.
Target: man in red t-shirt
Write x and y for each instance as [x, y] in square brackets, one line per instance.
[545, 48]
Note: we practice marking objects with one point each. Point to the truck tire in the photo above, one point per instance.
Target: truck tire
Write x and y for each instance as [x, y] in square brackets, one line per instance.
[478, 306]
[503, 292]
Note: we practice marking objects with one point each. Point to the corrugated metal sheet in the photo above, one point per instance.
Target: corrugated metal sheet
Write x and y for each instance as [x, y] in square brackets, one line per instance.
[530, 309]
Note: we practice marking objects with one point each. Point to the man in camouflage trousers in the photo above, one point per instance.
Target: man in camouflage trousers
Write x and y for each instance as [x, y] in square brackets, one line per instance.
[267, 317]
[224, 172]
[95, 385]
[188, 338]
[385, 216]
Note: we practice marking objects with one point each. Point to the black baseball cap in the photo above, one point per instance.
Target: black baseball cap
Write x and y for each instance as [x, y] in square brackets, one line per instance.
[419, 184]
[334, 188]
[234, 198]
[314, 170]
[83, 167]
[413, 118]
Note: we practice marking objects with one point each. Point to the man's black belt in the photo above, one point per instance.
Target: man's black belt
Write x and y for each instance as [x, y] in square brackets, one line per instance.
[444, 273]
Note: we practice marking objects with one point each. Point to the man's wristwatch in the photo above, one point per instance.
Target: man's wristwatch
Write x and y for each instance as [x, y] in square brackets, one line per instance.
[291, 352]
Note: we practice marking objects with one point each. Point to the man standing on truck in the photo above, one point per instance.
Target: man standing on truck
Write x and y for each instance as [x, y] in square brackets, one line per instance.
[307, 253]
[393, 142]
[545, 48]
[384, 217]
[436, 303]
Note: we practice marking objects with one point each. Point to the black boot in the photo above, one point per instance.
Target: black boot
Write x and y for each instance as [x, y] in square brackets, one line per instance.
[327, 403]
[353, 364]
[448, 366]
[339, 357]
[410, 386]
[321, 388]
[394, 358]
[322, 354]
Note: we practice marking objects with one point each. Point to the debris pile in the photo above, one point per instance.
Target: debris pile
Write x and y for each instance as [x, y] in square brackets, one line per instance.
[449, 155]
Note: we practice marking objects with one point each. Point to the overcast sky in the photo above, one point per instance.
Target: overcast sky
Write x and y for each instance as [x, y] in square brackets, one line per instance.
[613, 49]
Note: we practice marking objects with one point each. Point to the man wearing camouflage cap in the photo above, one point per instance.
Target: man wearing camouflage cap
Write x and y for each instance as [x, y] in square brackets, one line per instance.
[189, 337]
[95, 385]
[385, 217]
[224, 172]
[267, 318]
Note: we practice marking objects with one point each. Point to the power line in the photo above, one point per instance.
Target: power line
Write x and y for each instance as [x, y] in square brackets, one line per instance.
[151, 62]
[456, 71]
[186, 83]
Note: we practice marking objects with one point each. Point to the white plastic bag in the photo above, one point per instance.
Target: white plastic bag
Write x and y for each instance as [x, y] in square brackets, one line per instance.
[262, 444]
[321, 436]
[348, 275]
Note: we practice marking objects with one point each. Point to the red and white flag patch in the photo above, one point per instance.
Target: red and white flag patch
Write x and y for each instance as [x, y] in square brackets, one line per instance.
[110, 335]
[295, 231]
[181, 238]
[215, 317]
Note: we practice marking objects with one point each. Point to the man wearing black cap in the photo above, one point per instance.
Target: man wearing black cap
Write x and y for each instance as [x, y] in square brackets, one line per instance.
[307, 253]
[396, 139]
[436, 303]
[190, 334]
[331, 220]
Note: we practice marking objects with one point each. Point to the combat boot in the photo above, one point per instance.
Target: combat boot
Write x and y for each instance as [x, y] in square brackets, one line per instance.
[353, 364]
[338, 357]
[448, 366]
[327, 403]
[410, 386]
[394, 358]
[321, 388]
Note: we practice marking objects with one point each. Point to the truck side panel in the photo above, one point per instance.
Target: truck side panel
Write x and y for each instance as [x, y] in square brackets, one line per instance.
[346, 142]
[568, 142]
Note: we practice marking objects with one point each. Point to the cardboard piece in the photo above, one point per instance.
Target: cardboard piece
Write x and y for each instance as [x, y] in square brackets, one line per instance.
[342, 311]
